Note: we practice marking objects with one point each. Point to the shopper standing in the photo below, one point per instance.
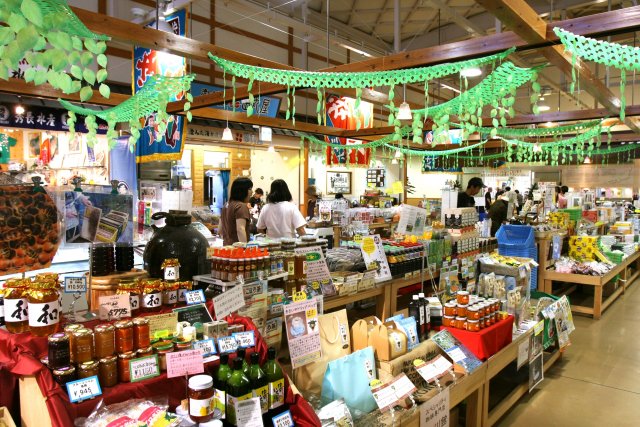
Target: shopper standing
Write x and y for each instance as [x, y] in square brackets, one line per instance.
[280, 217]
[312, 192]
[256, 199]
[498, 213]
[487, 198]
[235, 218]
[465, 198]
[562, 199]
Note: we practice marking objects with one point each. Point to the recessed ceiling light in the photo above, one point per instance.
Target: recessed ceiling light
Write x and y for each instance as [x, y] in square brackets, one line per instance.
[471, 72]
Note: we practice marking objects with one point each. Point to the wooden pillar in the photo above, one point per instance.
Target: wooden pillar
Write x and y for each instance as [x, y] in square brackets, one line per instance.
[212, 38]
[102, 7]
[197, 173]
[290, 47]
[305, 181]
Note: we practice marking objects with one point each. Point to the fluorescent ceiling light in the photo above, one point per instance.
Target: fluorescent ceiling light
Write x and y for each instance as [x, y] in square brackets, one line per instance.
[544, 108]
[356, 50]
[449, 87]
[404, 112]
[471, 72]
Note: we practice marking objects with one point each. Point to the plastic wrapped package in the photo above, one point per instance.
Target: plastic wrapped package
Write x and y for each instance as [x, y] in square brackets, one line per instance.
[137, 412]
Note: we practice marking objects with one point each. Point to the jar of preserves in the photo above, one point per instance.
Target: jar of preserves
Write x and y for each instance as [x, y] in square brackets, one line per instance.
[450, 309]
[462, 297]
[461, 322]
[141, 338]
[59, 353]
[83, 345]
[290, 265]
[182, 345]
[495, 305]
[448, 321]
[16, 307]
[105, 341]
[108, 371]
[151, 296]
[161, 348]
[473, 325]
[88, 369]
[183, 287]
[133, 289]
[69, 330]
[462, 310]
[124, 336]
[124, 374]
[201, 398]
[481, 323]
[170, 294]
[64, 375]
[145, 351]
[473, 313]
[171, 269]
[44, 308]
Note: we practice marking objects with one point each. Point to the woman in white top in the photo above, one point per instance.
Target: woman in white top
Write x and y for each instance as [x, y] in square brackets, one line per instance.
[279, 217]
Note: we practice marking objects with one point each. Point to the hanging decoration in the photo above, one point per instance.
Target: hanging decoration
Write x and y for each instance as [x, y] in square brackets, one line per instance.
[43, 41]
[556, 131]
[152, 98]
[349, 114]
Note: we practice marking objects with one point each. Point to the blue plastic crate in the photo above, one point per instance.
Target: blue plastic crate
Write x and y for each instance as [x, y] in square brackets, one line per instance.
[516, 235]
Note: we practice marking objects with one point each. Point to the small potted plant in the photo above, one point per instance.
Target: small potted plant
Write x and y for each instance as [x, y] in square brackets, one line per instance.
[76, 180]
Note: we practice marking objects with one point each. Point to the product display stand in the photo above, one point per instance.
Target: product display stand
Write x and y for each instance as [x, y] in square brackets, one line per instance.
[337, 231]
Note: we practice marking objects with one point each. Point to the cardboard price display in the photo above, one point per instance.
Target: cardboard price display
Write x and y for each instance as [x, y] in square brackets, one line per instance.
[86, 388]
[186, 362]
[387, 395]
[303, 332]
[375, 258]
[317, 271]
[114, 307]
[435, 411]
[228, 302]
[75, 284]
[249, 413]
[144, 368]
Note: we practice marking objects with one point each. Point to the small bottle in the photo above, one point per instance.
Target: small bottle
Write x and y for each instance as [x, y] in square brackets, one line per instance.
[238, 389]
[275, 377]
[416, 311]
[259, 382]
[427, 314]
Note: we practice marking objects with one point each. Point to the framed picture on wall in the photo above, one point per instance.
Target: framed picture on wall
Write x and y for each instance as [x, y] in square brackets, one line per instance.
[338, 182]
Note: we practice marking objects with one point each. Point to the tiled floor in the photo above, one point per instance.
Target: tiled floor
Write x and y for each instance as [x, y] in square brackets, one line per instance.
[597, 383]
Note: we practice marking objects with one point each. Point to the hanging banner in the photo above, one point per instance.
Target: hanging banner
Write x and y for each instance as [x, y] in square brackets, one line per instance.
[146, 63]
[342, 113]
[267, 106]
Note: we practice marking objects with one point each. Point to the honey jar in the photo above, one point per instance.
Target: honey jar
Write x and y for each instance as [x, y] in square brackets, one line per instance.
[83, 345]
[170, 294]
[448, 321]
[88, 369]
[473, 325]
[64, 375]
[133, 289]
[141, 337]
[450, 309]
[124, 374]
[44, 308]
[495, 305]
[200, 392]
[183, 287]
[124, 336]
[16, 306]
[462, 297]
[161, 348]
[473, 313]
[461, 322]
[151, 296]
[105, 341]
[58, 352]
[108, 371]
[481, 323]
[69, 330]
[462, 310]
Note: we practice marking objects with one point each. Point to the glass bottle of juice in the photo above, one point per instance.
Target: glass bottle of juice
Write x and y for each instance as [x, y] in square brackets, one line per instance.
[259, 382]
[275, 378]
[238, 389]
[220, 384]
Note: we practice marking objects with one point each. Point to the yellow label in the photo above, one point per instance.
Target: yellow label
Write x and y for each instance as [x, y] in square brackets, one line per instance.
[276, 393]
[263, 394]
[220, 401]
[312, 313]
[291, 267]
[357, 238]
[368, 245]
[299, 296]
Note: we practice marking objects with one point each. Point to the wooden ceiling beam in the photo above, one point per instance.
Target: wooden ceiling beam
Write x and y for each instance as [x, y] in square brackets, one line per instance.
[46, 91]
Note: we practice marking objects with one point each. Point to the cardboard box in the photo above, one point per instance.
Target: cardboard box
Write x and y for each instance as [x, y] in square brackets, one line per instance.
[388, 341]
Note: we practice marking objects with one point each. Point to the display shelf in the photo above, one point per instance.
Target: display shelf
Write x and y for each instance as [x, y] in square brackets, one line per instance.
[380, 292]
[206, 278]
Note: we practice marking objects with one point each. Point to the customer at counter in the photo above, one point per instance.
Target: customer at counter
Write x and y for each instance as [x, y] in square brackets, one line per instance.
[498, 213]
[280, 217]
[235, 218]
[466, 198]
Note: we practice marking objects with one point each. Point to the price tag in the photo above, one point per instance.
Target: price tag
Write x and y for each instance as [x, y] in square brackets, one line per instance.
[249, 413]
[283, 420]
[244, 339]
[207, 346]
[456, 354]
[228, 302]
[188, 362]
[194, 297]
[433, 369]
[114, 307]
[171, 273]
[538, 327]
[75, 284]
[86, 388]
[227, 344]
[144, 368]
[435, 411]
[387, 395]
[357, 238]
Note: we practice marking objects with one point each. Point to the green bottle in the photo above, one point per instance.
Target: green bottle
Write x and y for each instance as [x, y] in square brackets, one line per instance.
[242, 353]
[275, 380]
[220, 384]
[238, 389]
[259, 382]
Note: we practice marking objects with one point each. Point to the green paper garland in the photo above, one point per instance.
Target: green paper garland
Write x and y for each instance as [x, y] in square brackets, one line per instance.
[539, 132]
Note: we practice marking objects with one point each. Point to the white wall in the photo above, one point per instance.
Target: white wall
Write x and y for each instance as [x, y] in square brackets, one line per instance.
[426, 184]
[283, 164]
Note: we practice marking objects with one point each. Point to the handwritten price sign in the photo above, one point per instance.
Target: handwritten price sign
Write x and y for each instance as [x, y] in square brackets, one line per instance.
[435, 411]
[228, 302]
[115, 307]
[86, 388]
[227, 344]
[206, 346]
[186, 362]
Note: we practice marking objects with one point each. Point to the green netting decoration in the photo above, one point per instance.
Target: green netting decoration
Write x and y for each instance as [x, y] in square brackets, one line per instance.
[557, 131]
[57, 47]
[625, 58]
[153, 97]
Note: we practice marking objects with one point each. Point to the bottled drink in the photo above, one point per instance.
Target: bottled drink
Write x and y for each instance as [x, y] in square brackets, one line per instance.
[416, 311]
[259, 383]
[427, 314]
[220, 384]
[242, 354]
[275, 379]
[238, 389]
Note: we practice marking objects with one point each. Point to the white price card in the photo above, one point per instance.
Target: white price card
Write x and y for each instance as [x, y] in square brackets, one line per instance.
[456, 354]
[227, 344]
[86, 388]
[245, 339]
[249, 413]
[207, 346]
[75, 284]
[144, 368]
[228, 302]
[387, 395]
[435, 411]
[114, 307]
[195, 297]
[434, 368]
[283, 420]
[523, 353]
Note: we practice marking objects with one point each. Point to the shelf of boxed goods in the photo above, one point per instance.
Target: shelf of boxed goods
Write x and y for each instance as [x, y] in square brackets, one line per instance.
[598, 282]
[337, 230]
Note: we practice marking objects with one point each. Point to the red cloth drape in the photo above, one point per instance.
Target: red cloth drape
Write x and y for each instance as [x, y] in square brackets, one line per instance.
[488, 341]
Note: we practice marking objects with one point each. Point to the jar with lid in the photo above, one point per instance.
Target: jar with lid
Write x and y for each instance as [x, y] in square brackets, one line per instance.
[473, 325]
[124, 374]
[88, 369]
[450, 309]
[170, 294]
[161, 348]
[108, 371]
[461, 322]
[124, 336]
[462, 310]
[133, 289]
[448, 321]
[462, 297]
[481, 323]
[44, 308]
[182, 345]
[16, 306]
[183, 287]
[64, 375]
[144, 351]
[59, 354]
[105, 341]
[69, 330]
[300, 266]
[290, 265]
[141, 338]
[48, 277]
[200, 398]
[83, 345]
[473, 313]
[151, 296]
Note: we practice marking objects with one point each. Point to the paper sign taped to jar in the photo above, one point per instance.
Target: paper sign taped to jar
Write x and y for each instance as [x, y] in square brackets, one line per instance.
[162, 325]
[114, 307]
[144, 368]
[375, 258]
[228, 302]
[86, 388]
[75, 284]
[186, 362]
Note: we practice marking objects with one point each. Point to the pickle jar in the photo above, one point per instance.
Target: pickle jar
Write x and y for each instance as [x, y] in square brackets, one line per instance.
[133, 289]
[108, 371]
[105, 340]
[124, 336]
[161, 348]
[170, 294]
[124, 373]
[141, 337]
[44, 308]
[58, 351]
[64, 375]
[16, 305]
[83, 345]
[88, 369]
[151, 296]
[183, 287]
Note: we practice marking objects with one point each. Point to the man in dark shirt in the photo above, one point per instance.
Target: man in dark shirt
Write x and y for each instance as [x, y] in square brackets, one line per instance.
[465, 198]
[498, 214]
[487, 198]
[256, 199]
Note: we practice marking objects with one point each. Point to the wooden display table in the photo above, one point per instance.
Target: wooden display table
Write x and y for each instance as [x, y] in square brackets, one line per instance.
[598, 282]
[379, 292]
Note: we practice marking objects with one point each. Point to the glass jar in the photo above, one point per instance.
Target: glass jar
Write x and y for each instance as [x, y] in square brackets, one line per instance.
[124, 374]
[450, 309]
[83, 345]
[105, 340]
[141, 337]
[108, 371]
[300, 266]
[481, 323]
[64, 375]
[58, 352]
[290, 265]
[462, 297]
[170, 294]
[200, 398]
[145, 351]
[182, 345]
[44, 308]
[461, 322]
[16, 307]
[462, 310]
[88, 369]
[183, 287]
[448, 321]
[473, 325]
[473, 313]
[124, 336]
[133, 289]
[151, 296]
[161, 348]
[69, 330]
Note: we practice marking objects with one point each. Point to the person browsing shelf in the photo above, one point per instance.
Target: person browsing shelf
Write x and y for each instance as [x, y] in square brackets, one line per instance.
[280, 217]
[466, 198]
[235, 218]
